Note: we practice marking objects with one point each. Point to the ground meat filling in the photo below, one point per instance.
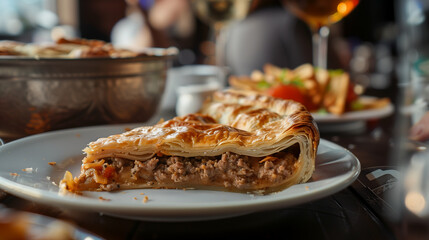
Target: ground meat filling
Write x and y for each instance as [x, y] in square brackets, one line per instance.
[227, 170]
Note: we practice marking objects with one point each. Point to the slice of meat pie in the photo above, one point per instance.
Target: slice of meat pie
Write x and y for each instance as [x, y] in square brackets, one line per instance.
[238, 142]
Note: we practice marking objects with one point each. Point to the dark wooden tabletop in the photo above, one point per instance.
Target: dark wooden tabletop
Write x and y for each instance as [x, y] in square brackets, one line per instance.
[344, 215]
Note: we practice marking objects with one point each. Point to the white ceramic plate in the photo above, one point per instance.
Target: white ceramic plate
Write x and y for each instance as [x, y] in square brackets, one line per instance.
[355, 115]
[25, 172]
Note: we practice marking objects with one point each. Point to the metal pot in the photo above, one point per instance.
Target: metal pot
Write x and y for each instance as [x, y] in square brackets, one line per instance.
[38, 95]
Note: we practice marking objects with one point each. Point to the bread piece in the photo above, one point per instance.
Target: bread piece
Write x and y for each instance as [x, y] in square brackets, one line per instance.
[336, 94]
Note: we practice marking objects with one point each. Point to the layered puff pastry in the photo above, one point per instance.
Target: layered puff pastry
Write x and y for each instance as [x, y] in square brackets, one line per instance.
[238, 142]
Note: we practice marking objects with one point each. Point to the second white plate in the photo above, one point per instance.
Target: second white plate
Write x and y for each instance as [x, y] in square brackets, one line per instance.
[354, 115]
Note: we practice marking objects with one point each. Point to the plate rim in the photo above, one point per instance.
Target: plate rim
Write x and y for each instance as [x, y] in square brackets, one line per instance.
[367, 114]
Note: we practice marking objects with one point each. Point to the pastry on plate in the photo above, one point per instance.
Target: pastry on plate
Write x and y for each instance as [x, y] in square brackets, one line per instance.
[64, 48]
[238, 142]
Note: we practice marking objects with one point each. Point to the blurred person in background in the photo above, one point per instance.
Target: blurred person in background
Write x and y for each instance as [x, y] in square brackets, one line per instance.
[249, 43]
[269, 34]
[132, 32]
[161, 23]
[148, 24]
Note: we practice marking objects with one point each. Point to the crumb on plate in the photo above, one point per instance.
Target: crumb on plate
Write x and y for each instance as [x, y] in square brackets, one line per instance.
[29, 169]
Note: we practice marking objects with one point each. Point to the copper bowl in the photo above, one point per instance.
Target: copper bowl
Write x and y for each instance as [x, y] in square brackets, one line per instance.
[39, 95]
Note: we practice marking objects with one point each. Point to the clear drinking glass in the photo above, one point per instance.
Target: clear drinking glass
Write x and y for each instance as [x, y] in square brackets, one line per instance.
[319, 15]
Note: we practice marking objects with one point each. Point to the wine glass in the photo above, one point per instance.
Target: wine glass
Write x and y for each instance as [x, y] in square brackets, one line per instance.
[219, 13]
[319, 14]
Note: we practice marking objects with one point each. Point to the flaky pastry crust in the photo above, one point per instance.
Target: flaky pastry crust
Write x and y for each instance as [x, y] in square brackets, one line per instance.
[235, 122]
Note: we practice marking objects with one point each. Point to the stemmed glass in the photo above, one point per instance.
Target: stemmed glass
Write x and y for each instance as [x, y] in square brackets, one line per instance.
[319, 15]
[219, 13]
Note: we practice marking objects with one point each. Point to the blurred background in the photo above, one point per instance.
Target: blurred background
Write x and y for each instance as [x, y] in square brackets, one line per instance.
[369, 32]
[366, 43]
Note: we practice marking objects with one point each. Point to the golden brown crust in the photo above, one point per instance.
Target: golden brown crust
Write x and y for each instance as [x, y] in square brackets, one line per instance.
[266, 116]
[238, 122]
[250, 125]
[277, 123]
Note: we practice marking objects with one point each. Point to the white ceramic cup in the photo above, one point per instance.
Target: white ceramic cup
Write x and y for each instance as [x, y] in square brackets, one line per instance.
[189, 75]
[191, 97]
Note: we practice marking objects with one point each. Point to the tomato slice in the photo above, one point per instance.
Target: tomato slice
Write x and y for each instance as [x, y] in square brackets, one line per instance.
[351, 95]
[287, 92]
